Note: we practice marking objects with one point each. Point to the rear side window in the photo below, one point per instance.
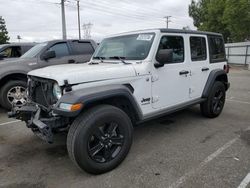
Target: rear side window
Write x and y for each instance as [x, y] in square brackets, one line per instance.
[198, 48]
[176, 44]
[82, 48]
[217, 49]
[61, 49]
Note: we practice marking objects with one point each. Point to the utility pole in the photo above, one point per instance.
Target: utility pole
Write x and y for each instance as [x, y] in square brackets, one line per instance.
[64, 35]
[167, 20]
[79, 21]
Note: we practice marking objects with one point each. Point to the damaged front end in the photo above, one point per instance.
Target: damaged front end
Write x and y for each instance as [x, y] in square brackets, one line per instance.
[38, 112]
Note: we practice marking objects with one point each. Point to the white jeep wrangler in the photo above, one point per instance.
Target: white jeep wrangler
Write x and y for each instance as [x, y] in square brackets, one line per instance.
[131, 78]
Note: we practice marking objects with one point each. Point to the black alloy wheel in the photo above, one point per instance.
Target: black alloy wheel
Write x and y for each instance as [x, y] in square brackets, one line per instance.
[100, 138]
[106, 142]
[214, 104]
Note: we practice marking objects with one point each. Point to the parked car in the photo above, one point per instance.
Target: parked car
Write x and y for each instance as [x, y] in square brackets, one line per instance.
[14, 50]
[131, 78]
[13, 76]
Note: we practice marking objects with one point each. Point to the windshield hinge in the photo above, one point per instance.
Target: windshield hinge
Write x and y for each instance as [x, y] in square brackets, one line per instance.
[154, 78]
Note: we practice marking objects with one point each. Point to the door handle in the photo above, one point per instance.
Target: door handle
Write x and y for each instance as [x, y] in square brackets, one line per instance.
[184, 72]
[71, 61]
[204, 69]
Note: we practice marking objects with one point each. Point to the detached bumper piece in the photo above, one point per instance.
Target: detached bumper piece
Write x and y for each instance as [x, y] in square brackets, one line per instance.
[42, 127]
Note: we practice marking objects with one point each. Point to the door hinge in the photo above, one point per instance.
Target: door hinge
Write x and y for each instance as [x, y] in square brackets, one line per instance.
[154, 78]
[191, 90]
[155, 99]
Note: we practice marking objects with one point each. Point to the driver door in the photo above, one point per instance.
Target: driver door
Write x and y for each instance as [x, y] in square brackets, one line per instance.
[170, 83]
[62, 55]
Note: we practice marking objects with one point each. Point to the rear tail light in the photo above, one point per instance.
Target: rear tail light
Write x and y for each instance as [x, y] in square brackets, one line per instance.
[226, 68]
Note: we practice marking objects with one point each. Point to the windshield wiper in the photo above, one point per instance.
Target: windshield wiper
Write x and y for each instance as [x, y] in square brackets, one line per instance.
[121, 59]
[97, 57]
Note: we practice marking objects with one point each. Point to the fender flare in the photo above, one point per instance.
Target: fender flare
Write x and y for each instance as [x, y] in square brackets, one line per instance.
[212, 78]
[95, 94]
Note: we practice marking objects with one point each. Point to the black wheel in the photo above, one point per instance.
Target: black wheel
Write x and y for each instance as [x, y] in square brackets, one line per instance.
[215, 102]
[13, 93]
[100, 139]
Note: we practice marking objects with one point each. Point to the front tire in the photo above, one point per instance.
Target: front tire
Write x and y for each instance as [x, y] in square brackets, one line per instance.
[100, 139]
[214, 104]
[13, 93]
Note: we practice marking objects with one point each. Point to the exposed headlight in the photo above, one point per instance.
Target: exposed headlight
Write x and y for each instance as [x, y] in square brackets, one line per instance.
[57, 91]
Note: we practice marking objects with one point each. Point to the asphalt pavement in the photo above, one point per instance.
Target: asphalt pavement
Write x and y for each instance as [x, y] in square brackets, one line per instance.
[183, 149]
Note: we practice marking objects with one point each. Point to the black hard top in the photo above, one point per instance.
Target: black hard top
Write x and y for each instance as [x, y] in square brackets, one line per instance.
[164, 30]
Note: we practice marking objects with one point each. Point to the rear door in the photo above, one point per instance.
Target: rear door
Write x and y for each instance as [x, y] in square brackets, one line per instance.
[199, 64]
[82, 50]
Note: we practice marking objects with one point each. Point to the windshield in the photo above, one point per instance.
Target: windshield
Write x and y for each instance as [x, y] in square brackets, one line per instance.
[33, 52]
[129, 47]
[2, 46]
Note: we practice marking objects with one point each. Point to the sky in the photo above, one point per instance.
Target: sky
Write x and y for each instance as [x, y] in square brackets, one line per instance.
[40, 20]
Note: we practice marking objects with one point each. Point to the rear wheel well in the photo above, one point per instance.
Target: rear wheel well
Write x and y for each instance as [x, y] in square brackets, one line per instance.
[222, 78]
[120, 102]
[16, 76]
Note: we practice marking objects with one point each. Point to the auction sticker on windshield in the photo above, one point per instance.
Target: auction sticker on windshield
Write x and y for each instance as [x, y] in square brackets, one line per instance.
[146, 37]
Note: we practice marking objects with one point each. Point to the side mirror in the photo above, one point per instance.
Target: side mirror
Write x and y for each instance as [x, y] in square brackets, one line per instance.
[164, 56]
[48, 55]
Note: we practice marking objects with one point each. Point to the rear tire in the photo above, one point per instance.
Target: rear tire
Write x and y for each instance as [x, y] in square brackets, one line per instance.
[100, 139]
[14, 91]
[214, 104]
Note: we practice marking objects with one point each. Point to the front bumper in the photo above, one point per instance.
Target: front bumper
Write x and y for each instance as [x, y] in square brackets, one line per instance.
[43, 124]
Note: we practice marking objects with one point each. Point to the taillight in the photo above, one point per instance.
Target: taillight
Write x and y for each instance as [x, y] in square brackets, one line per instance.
[226, 68]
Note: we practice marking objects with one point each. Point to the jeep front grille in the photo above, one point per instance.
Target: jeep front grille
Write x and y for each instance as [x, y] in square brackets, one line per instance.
[41, 91]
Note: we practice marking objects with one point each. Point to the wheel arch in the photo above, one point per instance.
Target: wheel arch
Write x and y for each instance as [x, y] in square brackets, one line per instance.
[120, 96]
[13, 76]
[215, 75]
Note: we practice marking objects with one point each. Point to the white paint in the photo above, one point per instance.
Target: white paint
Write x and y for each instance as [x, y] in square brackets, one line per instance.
[10, 122]
[245, 181]
[237, 101]
[188, 174]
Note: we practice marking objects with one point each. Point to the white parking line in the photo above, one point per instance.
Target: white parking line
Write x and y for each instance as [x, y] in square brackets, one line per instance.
[188, 174]
[10, 122]
[245, 181]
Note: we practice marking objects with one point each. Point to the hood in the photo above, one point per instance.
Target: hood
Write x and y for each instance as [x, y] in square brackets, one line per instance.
[80, 73]
[14, 61]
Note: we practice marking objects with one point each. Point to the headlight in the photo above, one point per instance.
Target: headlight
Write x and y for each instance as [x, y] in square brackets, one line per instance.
[57, 91]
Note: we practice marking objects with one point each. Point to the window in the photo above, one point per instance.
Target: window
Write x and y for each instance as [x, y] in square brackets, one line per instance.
[176, 44]
[217, 49]
[129, 47]
[34, 51]
[61, 49]
[198, 48]
[82, 48]
[14, 51]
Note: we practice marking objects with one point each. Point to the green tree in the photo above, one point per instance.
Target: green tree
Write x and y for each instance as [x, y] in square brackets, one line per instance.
[237, 19]
[229, 17]
[3, 32]
[208, 16]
